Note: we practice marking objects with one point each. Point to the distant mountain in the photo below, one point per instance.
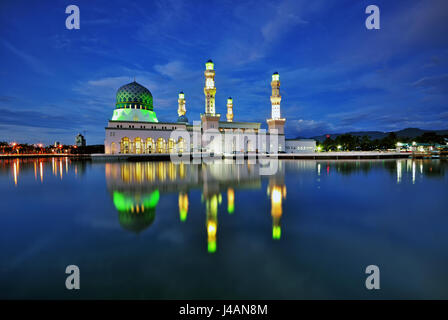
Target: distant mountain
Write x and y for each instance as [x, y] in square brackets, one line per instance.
[405, 133]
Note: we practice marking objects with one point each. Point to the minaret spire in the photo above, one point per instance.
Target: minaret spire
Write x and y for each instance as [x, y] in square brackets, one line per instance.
[181, 103]
[229, 109]
[209, 88]
[276, 98]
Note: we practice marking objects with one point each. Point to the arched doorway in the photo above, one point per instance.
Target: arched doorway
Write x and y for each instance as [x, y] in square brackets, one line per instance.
[180, 145]
[150, 145]
[138, 148]
[125, 145]
[113, 148]
[161, 145]
[170, 145]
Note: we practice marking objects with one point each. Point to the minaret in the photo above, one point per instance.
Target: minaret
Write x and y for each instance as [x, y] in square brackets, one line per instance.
[209, 89]
[181, 102]
[276, 98]
[276, 123]
[210, 119]
[229, 109]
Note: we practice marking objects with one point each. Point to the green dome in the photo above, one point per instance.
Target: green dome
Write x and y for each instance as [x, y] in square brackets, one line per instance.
[134, 96]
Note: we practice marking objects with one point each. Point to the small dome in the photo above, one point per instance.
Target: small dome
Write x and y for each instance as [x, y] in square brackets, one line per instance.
[134, 94]
[182, 118]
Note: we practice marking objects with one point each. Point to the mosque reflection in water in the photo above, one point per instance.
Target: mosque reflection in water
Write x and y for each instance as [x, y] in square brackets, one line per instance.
[137, 187]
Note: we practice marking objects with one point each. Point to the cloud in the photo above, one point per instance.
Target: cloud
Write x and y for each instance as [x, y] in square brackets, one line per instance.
[95, 22]
[109, 82]
[173, 69]
[33, 62]
[7, 98]
[433, 84]
[307, 128]
[33, 118]
[284, 17]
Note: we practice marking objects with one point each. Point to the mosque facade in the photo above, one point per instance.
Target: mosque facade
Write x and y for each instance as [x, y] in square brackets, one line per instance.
[135, 129]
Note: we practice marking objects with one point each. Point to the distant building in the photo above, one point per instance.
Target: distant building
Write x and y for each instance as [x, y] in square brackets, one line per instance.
[80, 141]
[300, 145]
[418, 147]
[56, 144]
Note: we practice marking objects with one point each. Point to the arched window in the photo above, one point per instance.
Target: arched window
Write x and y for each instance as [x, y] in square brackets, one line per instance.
[180, 145]
[113, 148]
[171, 145]
[161, 145]
[138, 148]
[150, 145]
[125, 145]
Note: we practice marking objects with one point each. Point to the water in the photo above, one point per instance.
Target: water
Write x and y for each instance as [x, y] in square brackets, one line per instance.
[159, 230]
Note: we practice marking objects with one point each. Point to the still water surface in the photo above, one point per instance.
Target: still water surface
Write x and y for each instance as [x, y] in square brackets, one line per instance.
[159, 230]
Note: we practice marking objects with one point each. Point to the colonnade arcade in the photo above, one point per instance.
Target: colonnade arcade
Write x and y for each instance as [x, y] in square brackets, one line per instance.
[148, 145]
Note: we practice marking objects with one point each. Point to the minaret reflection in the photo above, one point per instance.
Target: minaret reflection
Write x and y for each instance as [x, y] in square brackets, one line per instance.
[211, 205]
[183, 206]
[212, 197]
[277, 192]
[230, 200]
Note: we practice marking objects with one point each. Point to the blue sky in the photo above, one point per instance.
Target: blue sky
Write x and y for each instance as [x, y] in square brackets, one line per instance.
[336, 76]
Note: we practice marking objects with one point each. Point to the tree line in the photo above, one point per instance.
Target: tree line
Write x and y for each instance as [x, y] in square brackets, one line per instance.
[346, 142]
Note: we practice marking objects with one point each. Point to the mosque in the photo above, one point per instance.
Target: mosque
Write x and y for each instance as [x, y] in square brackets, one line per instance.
[135, 129]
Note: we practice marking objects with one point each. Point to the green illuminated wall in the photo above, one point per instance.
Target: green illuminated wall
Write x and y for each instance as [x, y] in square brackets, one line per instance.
[134, 115]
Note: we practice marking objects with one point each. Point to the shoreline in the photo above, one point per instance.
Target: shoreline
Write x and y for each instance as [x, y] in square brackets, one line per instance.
[281, 156]
[167, 156]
